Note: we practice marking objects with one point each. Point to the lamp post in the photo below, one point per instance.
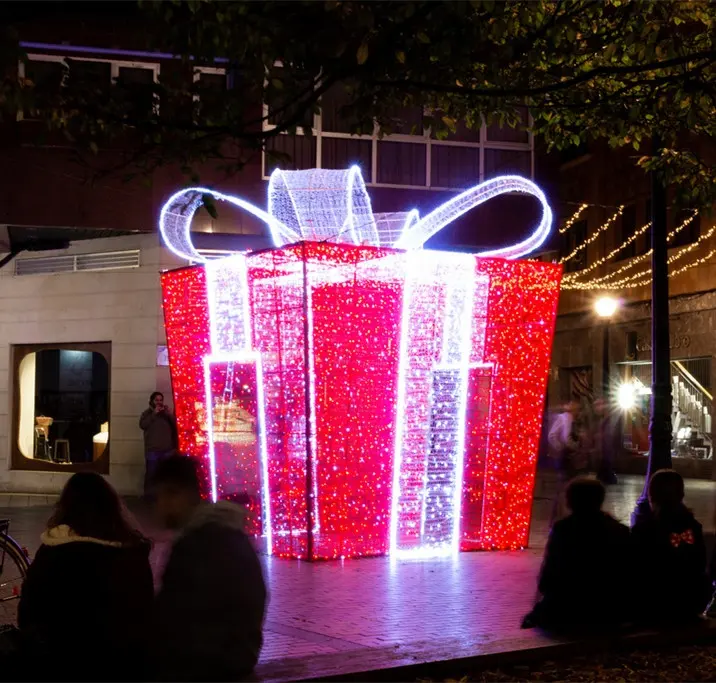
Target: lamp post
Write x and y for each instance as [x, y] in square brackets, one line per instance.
[605, 307]
[660, 423]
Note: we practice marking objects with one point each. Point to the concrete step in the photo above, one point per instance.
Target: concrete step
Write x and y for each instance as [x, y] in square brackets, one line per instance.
[27, 500]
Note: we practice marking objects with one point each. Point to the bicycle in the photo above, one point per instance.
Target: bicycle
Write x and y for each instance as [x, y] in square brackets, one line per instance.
[14, 563]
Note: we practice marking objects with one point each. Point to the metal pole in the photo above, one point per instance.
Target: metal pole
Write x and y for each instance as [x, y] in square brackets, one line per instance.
[660, 425]
[605, 360]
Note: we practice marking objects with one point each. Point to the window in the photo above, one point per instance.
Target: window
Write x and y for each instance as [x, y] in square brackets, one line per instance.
[47, 77]
[570, 241]
[285, 96]
[688, 234]
[211, 85]
[408, 157]
[627, 227]
[61, 407]
[138, 84]
[83, 75]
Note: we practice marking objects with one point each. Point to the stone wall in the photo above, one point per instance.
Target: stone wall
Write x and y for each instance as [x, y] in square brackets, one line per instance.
[122, 307]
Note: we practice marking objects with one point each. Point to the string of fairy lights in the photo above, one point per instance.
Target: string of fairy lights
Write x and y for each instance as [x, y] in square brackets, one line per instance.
[601, 261]
[640, 278]
[595, 235]
[573, 218]
[609, 280]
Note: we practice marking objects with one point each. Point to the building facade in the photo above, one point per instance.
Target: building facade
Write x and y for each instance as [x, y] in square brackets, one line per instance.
[82, 341]
[605, 249]
[80, 352]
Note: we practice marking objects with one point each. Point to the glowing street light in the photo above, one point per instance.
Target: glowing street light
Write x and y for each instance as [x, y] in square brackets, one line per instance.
[626, 396]
[606, 306]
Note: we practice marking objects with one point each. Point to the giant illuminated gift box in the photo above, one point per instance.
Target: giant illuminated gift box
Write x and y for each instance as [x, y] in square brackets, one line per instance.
[364, 396]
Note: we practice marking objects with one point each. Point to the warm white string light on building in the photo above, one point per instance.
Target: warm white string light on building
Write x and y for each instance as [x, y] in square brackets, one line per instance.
[691, 264]
[633, 281]
[595, 235]
[573, 219]
[601, 261]
[604, 280]
[698, 262]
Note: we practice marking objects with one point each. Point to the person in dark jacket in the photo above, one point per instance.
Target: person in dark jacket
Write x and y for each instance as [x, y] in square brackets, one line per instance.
[160, 436]
[579, 586]
[88, 593]
[210, 608]
[672, 579]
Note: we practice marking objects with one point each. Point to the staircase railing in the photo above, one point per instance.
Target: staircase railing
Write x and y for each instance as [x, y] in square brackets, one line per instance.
[692, 411]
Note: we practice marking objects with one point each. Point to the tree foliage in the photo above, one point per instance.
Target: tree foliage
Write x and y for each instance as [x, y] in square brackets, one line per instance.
[615, 70]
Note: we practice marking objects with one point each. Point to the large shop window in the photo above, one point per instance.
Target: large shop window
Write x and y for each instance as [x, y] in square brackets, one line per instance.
[61, 407]
[692, 402]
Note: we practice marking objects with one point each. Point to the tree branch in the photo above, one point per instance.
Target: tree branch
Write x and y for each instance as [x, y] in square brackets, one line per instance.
[549, 88]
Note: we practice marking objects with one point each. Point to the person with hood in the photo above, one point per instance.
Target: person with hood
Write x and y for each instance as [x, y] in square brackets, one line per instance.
[578, 585]
[88, 593]
[669, 546]
[210, 608]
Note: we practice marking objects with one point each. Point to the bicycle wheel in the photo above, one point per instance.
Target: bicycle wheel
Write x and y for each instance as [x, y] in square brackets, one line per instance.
[13, 569]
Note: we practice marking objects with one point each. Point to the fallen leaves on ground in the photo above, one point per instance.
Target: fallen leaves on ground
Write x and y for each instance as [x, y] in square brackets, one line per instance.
[689, 663]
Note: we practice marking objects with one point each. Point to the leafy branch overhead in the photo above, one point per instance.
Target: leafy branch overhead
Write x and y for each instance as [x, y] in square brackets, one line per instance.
[587, 69]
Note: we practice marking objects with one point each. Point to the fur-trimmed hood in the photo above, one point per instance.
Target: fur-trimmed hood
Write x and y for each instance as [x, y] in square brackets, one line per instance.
[222, 513]
[63, 534]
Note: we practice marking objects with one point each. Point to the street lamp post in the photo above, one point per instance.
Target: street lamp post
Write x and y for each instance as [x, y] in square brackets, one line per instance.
[605, 307]
[660, 423]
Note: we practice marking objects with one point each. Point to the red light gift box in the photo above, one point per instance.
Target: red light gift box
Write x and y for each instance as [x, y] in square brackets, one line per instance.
[362, 395]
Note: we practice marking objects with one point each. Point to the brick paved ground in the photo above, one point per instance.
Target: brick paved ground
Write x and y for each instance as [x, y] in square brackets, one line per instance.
[327, 616]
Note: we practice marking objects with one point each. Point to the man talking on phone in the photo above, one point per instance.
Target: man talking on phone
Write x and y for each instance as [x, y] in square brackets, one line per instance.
[160, 436]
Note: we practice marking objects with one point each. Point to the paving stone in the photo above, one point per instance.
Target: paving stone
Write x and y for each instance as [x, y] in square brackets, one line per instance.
[329, 617]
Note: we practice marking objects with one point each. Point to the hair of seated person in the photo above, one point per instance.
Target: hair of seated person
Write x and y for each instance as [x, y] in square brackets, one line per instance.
[585, 495]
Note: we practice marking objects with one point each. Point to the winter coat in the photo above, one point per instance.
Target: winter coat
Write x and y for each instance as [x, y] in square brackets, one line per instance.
[160, 431]
[584, 574]
[671, 573]
[211, 605]
[84, 607]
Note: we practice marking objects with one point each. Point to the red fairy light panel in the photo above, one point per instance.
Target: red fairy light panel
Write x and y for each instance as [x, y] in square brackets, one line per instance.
[379, 402]
[362, 395]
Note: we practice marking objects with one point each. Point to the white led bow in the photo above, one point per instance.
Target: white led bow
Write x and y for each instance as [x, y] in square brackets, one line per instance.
[334, 205]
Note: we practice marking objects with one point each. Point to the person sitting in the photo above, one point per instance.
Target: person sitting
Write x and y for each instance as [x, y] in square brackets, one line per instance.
[89, 591]
[671, 554]
[579, 583]
[210, 608]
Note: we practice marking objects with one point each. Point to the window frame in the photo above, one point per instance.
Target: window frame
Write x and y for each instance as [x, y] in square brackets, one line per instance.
[211, 70]
[372, 181]
[115, 66]
[19, 461]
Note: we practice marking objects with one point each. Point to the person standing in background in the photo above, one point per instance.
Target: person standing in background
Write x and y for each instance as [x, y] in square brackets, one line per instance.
[160, 436]
[605, 442]
[564, 441]
[566, 451]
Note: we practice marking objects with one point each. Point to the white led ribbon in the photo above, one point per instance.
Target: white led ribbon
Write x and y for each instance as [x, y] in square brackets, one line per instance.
[334, 205]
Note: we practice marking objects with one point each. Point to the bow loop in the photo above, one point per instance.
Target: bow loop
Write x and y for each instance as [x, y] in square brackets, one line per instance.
[334, 205]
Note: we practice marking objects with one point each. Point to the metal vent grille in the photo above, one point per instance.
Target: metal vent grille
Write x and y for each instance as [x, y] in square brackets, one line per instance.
[111, 260]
